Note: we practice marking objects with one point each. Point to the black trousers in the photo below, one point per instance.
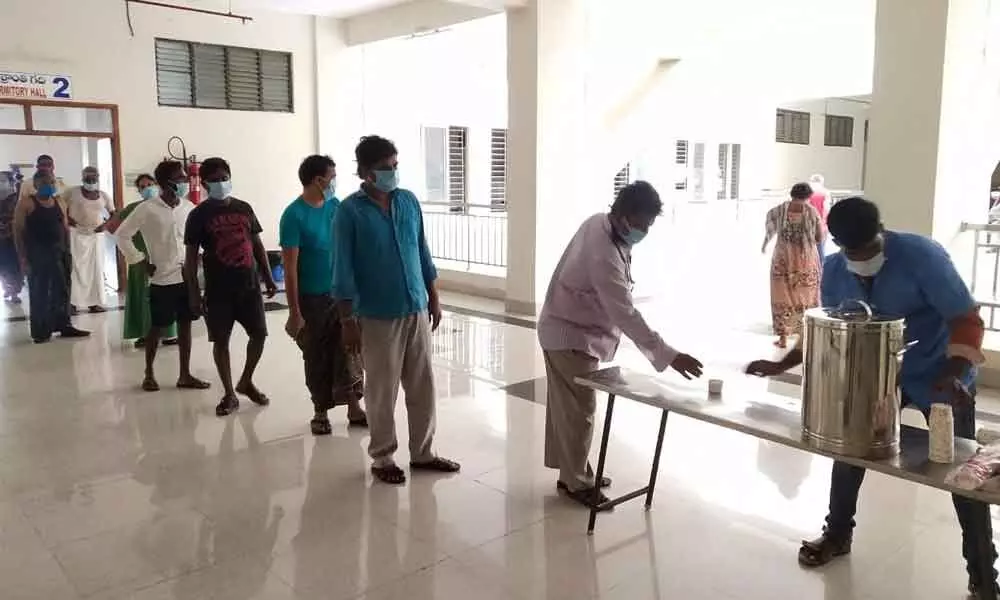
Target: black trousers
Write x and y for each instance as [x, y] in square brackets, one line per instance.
[48, 291]
[973, 516]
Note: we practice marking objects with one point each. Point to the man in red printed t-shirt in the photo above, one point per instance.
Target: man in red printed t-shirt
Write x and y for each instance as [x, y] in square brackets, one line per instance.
[227, 229]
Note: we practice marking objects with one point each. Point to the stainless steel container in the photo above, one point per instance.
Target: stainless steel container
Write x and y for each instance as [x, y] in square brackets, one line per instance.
[850, 399]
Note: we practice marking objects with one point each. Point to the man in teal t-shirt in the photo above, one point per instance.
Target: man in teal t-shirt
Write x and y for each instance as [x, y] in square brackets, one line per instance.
[306, 239]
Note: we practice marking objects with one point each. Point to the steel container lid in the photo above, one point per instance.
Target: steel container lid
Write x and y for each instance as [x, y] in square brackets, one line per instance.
[854, 315]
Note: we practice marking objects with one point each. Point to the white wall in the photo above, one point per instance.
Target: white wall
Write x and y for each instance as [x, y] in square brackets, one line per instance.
[90, 42]
[841, 167]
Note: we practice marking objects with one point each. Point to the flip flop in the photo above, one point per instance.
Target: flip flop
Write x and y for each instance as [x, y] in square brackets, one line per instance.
[150, 385]
[193, 384]
[320, 426]
[438, 465]
[390, 474]
[592, 498]
[361, 422]
[605, 483]
[255, 395]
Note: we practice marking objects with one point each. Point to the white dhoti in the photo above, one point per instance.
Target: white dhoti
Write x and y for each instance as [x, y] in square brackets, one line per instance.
[87, 283]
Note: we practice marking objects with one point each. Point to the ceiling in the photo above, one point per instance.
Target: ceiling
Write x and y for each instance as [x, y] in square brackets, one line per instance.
[329, 8]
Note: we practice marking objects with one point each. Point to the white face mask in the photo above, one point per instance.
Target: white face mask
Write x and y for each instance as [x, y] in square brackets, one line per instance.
[867, 268]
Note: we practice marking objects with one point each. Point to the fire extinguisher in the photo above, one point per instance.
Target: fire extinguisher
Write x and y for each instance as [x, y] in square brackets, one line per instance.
[194, 181]
[191, 166]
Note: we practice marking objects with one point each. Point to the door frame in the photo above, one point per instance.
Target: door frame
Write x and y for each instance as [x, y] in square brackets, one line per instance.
[117, 172]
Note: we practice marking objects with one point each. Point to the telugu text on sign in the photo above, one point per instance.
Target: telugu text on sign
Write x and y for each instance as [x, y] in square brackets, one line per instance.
[35, 86]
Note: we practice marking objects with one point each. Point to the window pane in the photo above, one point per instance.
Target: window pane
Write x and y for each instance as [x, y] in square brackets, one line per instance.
[243, 78]
[59, 118]
[173, 73]
[435, 162]
[209, 76]
[11, 116]
[276, 78]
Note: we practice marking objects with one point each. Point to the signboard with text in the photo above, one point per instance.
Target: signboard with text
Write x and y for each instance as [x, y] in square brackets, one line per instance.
[35, 86]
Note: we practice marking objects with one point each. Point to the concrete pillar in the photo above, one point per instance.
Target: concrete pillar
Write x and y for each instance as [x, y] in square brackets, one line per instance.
[934, 113]
[551, 185]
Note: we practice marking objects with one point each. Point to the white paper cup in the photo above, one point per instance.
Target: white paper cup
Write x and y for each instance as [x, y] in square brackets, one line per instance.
[715, 387]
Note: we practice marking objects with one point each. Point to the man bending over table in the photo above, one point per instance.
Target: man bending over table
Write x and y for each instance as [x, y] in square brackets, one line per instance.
[912, 277]
[587, 308]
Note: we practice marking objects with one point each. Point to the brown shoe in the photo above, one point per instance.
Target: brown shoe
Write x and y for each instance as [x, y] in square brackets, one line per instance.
[818, 552]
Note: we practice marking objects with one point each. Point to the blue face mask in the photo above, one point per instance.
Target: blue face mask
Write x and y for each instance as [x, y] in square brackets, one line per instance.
[634, 236]
[386, 180]
[182, 189]
[219, 190]
[150, 192]
[330, 190]
[47, 191]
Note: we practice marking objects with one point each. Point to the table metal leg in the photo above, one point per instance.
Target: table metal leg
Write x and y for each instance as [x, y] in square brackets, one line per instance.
[656, 460]
[601, 457]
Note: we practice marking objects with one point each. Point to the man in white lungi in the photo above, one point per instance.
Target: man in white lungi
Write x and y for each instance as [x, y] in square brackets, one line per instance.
[587, 308]
[88, 209]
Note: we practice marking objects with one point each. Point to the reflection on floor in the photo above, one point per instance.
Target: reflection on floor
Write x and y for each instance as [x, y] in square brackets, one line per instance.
[108, 492]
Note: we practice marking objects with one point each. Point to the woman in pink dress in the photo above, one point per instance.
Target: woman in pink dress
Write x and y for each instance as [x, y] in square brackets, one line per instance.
[821, 201]
[795, 264]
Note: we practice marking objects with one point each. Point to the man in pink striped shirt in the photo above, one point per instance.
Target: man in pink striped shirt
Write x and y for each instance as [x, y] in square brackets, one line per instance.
[587, 308]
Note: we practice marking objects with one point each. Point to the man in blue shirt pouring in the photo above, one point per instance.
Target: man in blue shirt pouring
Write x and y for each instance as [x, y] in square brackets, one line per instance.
[384, 282]
[912, 277]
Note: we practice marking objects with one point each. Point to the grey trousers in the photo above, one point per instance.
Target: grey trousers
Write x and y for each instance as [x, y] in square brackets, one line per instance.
[395, 352]
[569, 417]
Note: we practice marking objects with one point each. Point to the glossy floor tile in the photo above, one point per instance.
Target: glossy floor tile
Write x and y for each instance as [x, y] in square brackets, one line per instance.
[110, 493]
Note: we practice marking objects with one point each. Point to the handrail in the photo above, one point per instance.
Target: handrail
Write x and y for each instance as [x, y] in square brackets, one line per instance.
[991, 227]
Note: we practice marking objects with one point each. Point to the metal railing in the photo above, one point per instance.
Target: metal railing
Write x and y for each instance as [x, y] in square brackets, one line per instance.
[985, 277]
[475, 234]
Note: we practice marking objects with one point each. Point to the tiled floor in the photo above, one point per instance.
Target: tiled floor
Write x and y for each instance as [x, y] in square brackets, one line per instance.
[110, 493]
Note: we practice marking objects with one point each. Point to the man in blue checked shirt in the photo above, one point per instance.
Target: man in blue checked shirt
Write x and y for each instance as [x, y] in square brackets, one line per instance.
[388, 304]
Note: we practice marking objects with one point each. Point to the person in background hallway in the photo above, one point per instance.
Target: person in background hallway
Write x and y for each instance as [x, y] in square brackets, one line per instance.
[161, 221]
[821, 201]
[587, 308]
[41, 238]
[136, 322]
[227, 229]
[333, 373]
[902, 275]
[25, 202]
[388, 304]
[11, 276]
[795, 264]
[88, 208]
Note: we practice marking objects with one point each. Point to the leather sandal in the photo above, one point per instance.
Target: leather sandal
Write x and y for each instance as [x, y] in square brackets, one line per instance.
[822, 550]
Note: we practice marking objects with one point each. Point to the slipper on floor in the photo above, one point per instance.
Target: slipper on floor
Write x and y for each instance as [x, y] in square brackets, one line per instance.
[438, 465]
[390, 474]
[605, 483]
[150, 385]
[193, 384]
[320, 426]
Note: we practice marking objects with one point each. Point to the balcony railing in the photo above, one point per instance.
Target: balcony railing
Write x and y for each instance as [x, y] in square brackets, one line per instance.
[475, 234]
[985, 278]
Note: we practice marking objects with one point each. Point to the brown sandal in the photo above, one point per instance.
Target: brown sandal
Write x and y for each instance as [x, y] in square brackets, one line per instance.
[591, 497]
[822, 550]
[390, 474]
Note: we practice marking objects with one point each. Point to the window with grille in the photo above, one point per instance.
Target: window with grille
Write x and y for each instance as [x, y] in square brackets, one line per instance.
[734, 172]
[698, 172]
[210, 76]
[791, 127]
[723, 164]
[498, 169]
[839, 131]
[622, 179]
[457, 155]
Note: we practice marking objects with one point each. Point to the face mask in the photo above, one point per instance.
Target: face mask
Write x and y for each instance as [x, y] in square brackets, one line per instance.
[150, 192]
[91, 187]
[220, 190]
[867, 268]
[386, 180]
[634, 236]
[330, 190]
[47, 191]
[182, 189]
